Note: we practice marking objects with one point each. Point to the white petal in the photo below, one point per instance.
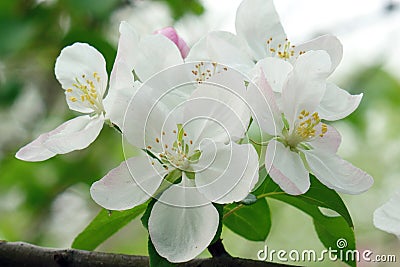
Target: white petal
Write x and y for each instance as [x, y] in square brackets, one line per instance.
[226, 173]
[286, 169]
[74, 134]
[264, 107]
[337, 173]
[256, 22]
[306, 84]
[156, 53]
[329, 142]
[218, 109]
[329, 43]
[276, 71]
[35, 150]
[180, 234]
[117, 101]
[387, 217]
[157, 106]
[337, 103]
[121, 74]
[222, 47]
[128, 185]
[144, 120]
[81, 62]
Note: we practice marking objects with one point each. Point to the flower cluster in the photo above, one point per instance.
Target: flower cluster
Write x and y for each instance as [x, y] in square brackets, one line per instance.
[189, 110]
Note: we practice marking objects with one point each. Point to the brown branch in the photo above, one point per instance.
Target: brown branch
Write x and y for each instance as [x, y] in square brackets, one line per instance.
[24, 255]
[218, 250]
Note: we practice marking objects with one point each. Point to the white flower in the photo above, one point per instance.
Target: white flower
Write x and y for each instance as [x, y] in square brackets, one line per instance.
[261, 42]
[81, 71]
[145, 55]
[302, 143]
[195, 161]
[387, 217]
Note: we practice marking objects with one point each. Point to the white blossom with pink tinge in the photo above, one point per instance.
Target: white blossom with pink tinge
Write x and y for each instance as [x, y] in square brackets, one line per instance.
[301, 142]
[81, 71]
[261, 42]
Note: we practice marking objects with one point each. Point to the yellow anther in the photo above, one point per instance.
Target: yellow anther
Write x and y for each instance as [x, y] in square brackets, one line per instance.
[157, 140]
[324, 128]
[73, 99]
[69, 90]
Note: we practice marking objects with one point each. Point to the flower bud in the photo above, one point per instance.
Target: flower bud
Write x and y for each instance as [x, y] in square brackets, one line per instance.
[171, 34]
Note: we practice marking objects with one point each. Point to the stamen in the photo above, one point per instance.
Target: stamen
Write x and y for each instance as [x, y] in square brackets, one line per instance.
[282, 50]
[86, 92]
[203, 72]
[306, 128]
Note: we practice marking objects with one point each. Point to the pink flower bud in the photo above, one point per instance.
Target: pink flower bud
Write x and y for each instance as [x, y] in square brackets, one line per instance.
[171, 34]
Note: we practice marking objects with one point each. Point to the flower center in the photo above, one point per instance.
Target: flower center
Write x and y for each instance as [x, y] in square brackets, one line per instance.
[306, 128]
[84, 91]
[282, 50]
[202, 72]
[179, 153]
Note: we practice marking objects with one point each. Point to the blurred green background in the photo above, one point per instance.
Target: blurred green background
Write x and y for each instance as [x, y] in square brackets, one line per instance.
[48, 203]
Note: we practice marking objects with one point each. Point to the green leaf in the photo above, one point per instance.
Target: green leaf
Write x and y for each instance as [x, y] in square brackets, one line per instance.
[318, 195]
[329, 229]
[104, 225]
[146, 214]
[252, 222]
[334, 233]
